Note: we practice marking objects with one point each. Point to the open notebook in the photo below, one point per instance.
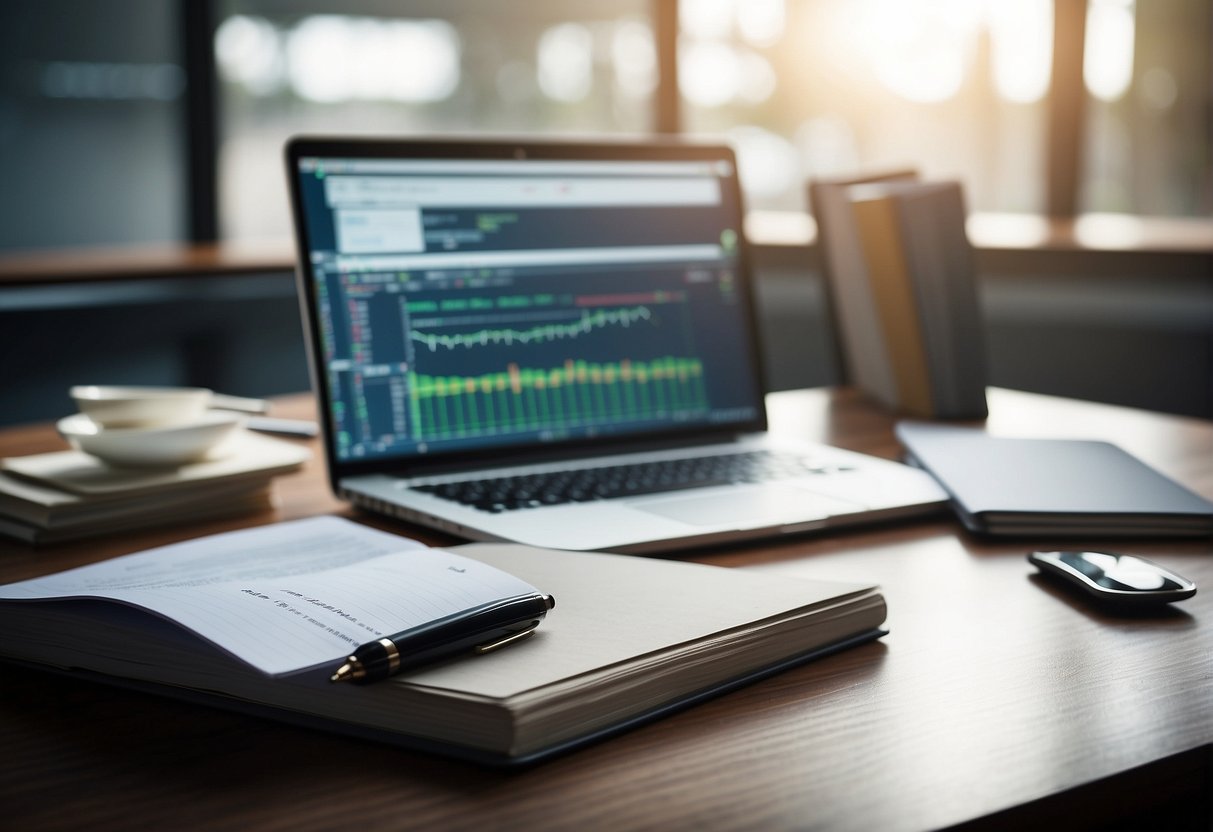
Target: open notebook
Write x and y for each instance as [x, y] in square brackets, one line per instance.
[630, 639]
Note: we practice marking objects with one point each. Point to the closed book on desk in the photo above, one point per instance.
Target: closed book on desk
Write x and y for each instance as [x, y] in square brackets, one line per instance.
[629, 640]
[68, 495]
[1055, 487]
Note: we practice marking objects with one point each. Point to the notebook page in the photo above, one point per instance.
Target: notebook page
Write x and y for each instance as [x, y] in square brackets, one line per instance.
[288, 596]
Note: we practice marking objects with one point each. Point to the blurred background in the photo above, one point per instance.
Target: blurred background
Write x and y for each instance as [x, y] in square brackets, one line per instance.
[161, 123]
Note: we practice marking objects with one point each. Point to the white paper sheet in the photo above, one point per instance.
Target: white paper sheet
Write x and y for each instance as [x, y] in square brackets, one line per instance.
[289, 596]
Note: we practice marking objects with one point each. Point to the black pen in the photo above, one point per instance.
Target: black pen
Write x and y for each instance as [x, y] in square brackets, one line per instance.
[482, 629]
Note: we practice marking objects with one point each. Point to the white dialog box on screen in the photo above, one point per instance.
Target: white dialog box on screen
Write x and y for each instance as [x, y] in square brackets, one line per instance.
[379, 230]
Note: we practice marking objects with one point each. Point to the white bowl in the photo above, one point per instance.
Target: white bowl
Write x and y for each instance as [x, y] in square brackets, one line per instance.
[120, 407]
[161, 446]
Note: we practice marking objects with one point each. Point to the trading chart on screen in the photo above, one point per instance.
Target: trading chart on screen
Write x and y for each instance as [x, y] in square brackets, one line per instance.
[473, 304]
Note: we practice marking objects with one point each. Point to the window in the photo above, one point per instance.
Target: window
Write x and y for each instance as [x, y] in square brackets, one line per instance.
[91, 139]
[821, 87]
[94, 147]
[460, 66]
[1146, 70]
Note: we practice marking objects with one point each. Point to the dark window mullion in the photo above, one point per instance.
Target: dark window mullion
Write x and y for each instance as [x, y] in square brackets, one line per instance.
[667, 103]
[197, 25]
[1067, 107]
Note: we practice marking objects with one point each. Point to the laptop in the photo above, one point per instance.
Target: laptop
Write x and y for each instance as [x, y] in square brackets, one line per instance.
[554, 343]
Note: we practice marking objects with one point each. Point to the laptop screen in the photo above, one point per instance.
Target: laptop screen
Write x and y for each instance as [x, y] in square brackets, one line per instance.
[469, 304]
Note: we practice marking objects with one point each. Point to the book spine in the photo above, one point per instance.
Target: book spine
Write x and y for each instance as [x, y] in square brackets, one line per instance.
[918, 227]
[860, 337]
[940, 268]
[896, 305]
[968, 328]
[18, 530]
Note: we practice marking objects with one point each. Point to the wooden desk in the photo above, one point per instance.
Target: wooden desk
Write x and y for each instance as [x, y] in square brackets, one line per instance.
[995, 696]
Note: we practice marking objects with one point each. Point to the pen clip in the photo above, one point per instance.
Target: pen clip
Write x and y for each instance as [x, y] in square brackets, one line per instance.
[494, 646]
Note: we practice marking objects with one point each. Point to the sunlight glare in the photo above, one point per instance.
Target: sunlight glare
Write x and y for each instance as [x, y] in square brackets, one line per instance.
[634, 58]
[761, 22]
[1021, 35]
[919, 48]
[566, 62]
[709, 72]
[334, 58]
[1107, 65]
[758, 79]
[249, 52]
[766, 161]
[706, 19]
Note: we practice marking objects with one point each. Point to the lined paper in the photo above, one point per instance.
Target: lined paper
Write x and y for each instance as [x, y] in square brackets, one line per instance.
[290, 596]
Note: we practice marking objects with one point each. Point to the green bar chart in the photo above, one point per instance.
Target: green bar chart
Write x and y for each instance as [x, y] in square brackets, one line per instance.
[573, 393]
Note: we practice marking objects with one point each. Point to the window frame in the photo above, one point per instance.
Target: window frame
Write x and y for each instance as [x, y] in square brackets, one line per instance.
[199, 20]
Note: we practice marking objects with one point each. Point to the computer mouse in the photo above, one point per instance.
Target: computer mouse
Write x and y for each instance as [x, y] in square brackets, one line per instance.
[1124, 580]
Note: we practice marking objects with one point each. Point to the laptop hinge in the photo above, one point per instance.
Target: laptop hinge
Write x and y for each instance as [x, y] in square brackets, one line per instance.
[535, 456]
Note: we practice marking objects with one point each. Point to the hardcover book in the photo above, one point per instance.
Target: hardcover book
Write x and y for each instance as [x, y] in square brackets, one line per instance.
[1067, 487]
[68, 495]
[923, 282]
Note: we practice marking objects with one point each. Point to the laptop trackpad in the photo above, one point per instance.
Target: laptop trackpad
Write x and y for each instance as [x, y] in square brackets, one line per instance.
[747, 507]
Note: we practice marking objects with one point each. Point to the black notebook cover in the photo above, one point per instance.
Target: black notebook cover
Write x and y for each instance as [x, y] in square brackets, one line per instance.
[1072, 487]
[413, 743]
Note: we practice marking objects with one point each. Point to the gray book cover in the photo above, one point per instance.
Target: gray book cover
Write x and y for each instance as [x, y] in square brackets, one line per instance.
[1002, 485]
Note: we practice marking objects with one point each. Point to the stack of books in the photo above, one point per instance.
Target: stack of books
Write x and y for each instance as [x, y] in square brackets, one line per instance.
[901, 274]
[67, 495]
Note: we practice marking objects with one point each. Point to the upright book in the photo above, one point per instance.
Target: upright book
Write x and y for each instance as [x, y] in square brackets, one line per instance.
[861, 339]
[923, 284]
[258, 620]
[1055, 487]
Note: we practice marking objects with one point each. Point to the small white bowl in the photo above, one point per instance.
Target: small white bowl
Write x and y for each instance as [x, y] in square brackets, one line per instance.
[162, 446]
[122, 407]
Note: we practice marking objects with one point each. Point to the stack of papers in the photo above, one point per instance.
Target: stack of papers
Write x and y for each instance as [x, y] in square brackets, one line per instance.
[66, 495]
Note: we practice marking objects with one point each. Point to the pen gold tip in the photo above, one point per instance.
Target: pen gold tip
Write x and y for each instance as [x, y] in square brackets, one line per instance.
[344, 672]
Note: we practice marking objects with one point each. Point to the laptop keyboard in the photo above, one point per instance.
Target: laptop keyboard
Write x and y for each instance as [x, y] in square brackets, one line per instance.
[582, 485]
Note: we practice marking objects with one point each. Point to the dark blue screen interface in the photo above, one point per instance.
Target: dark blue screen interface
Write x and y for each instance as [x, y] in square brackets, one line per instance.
[476, 304]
